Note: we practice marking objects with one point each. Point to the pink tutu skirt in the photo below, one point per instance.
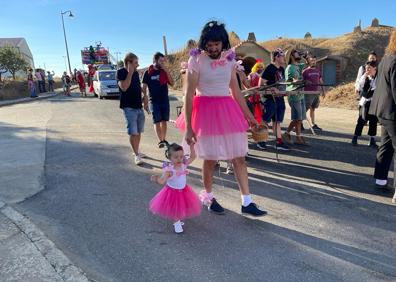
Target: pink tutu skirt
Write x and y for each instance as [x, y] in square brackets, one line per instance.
[220, 127]
[176, 204]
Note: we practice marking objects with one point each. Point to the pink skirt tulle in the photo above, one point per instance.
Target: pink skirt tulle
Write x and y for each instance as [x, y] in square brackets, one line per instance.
[176, 204]
[219, 126]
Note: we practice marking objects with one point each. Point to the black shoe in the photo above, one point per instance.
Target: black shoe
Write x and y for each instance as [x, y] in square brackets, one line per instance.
[161, 144]
[373, 144]
[384, 189]
[215, 207]
[315, 127]
[282, 147]
[252, 209]
[354, 141]
[166, 143]
[262, 145]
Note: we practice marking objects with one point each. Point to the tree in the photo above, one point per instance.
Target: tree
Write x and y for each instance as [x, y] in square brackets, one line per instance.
[120, 64]
[12, 61]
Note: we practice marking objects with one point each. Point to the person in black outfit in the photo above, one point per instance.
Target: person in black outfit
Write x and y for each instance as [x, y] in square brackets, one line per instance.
[384, 107]
[367, 86]
[132, 102]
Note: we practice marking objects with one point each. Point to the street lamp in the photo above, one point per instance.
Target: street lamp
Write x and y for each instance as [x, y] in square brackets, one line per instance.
[64, 33]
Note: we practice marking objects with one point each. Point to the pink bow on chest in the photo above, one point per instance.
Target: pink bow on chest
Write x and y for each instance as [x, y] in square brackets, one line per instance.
[216, 63]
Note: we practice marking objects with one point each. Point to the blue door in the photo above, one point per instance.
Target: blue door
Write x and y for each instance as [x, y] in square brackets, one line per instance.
[330, 72]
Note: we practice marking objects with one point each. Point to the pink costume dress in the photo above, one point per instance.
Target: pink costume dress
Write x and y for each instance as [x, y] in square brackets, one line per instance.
[176, 200]
[216, 119]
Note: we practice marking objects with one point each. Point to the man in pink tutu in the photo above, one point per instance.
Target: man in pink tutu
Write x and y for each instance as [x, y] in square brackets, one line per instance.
[216, 117]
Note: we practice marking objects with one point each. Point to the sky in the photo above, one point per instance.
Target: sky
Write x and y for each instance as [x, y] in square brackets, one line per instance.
[138, 26]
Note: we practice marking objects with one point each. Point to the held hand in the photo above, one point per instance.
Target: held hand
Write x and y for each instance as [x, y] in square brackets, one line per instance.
[252, 122]
[154, 178]
[190, 137]
[274, 90]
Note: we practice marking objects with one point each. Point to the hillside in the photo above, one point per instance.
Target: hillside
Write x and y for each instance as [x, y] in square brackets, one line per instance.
[353, 47]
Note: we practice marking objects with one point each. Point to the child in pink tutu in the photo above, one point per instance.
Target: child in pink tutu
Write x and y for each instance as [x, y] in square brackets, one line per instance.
[176, 200]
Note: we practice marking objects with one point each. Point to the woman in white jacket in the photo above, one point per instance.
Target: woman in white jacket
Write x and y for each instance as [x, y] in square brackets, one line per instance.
[366, 87]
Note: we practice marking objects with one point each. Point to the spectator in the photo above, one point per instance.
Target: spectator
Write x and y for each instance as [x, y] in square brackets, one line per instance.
[131, 102]
[312, 78]
[31, 86]
[156, 79]
[372, 57]
[367, 85]
[383, 107]
[50, 78]
[293, 74]
[274, 107]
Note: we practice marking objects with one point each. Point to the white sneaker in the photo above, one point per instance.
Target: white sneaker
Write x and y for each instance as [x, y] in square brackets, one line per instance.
[381, 182]
[142, 156]
[229, 170]
[178, 226]
[138, 160]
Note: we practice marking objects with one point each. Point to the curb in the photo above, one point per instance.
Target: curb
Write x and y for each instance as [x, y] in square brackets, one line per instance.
[55, 257]
[26, 100]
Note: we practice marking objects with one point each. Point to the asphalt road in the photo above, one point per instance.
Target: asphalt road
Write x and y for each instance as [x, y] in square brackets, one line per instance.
[326, 221]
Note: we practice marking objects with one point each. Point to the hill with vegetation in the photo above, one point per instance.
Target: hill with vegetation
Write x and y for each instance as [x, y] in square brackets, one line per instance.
[353, 47]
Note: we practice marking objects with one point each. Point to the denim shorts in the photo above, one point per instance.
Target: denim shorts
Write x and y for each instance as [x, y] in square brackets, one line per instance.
[298, 110]
[134, 120]
[160, 111]
[274, 110]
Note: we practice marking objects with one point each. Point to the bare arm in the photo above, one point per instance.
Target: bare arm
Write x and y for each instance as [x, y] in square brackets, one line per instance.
[124, 84]
[236, 93]
[161, 179]
[171, 82]
[192, 82]
[193, 155]
[262, 81]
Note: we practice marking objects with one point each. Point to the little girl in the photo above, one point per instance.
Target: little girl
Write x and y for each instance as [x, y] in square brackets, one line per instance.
[176, 200]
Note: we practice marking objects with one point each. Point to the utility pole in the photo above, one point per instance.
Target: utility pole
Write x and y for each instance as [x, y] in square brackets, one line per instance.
[165, 46]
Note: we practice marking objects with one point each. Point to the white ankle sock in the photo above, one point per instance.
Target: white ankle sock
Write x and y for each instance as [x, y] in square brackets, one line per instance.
[381, 182]
[210, 195]
[246, 200]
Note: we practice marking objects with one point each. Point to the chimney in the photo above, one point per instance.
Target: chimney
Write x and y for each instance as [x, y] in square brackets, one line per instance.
[251, 37]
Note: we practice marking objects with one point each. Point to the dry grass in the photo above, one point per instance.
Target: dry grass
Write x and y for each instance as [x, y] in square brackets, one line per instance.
[342, 96]
[354, 47]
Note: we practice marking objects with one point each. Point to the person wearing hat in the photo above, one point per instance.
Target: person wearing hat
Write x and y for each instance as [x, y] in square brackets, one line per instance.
[293, 73]
[274, 107]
